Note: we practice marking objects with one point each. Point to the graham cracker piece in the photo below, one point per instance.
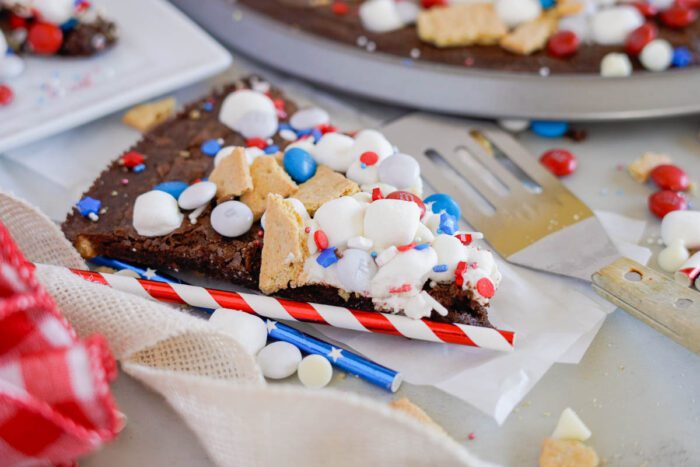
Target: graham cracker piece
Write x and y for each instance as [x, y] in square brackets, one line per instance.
[406, 406]
[232, 175]
[284, 246]
[460, 25]
[268, 177]
[531, 36]
[324, 186]
[642, 167]
[147, 116]
[85, 247]
[567, 453]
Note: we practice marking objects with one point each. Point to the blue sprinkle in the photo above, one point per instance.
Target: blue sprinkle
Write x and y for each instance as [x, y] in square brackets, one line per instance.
[363, 165]
[407, 62]
[272, 149]
[301, 133]
[208, 106]
[440, 268]
[546, 4]
[548, 129]
[317, 134]
[441, 202]
[210, 147]
[682, 57]
[70, 24]
[421, 246]
[138, 168]
[285, 126]
[373, 254]
[327, 257]
[174, 187]
[88, 206]
[448, 223]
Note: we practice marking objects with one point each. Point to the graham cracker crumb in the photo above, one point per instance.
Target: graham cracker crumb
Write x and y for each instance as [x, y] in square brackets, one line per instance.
[147, 116]
[324, 186]
[85, 247]
[565, 453]
[642, 167]
[232, 175]
[284, 246]
[460, 25]
[268, 177]
[531, 36]
[408, 407]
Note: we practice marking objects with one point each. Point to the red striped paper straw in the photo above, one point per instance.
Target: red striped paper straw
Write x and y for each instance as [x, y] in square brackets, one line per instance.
[281, 309]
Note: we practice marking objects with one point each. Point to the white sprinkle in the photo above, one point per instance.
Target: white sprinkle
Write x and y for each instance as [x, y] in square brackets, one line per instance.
[544, 71]
[371, 47]
[415, 54]
[362, 41]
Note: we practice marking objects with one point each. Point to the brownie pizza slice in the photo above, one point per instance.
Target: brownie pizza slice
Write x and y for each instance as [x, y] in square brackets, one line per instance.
[244, 186]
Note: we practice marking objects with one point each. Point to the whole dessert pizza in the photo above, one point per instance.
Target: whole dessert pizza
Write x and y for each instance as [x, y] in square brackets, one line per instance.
[245, 186]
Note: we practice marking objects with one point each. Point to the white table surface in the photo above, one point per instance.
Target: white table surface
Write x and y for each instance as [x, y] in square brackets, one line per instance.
[634, 388]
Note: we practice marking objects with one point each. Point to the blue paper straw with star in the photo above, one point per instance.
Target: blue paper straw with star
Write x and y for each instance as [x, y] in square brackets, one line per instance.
[148, 273]
[347, 361]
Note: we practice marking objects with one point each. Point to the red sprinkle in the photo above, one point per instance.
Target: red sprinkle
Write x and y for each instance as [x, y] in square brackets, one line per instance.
[6, 95]
[559, 161]
[17, 22]
[321, 239]
[471, 436]
[637, 39]
[377, 194]
[45, 38]
[369, 158]
[260, 232]
[340, 8]
[466, 239]
[125, 181]
[663, 202]
[256, 143]
[563, 44]
[307, 229]
[131, 159]
[485, 287]
[327, 128]
[459, 270]
[407, 247]
[406, 196]
[678, 17]
[670, 177]
[432, 3]
[402, 289]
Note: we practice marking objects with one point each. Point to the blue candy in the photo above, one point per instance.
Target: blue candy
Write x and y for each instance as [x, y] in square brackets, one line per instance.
[70, 24]
[448, 224]
[210, 147]
[299, 164]
[327, 257]
[272, 149]
[682, 57]
[174, 188]
[546, 4]
[88, 206]
[208, 106]
[441, 202]
[548, 129]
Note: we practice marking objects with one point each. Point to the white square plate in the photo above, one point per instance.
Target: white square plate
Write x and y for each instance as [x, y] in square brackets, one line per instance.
[159, 49]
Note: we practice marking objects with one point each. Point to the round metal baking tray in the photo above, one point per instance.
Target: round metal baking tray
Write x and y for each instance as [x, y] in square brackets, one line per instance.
[444, 88]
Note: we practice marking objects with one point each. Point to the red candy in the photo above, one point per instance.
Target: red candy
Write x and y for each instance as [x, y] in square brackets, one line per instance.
[6, 95]
[485, 287]
[17, 22]
[45, 38]
[406, 196]
[559, 161]
[432, 3]
[377, 194]
[256, 143]
[691, 4]
[369, 158]
[327, 128]
[646, 9]
[465, 238]
[321, 239]
[459, 270]
[637, 39]
[678, 17]
[563, 44]
[663, 202]
[670, 177]
[340, 8]
[132, 158]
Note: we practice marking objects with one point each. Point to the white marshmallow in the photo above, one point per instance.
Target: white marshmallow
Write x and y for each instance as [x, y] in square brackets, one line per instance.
[156, 213]
[578, 24]
[361, 243]
[571, 427]
[197, 195]
[231, 218]
[683, 226]
[279, 360]
[380, 16]
[612, 25]
[244, 101]
[672, 257]
[391, 222]
[315, 371]
[355, 270]
[372, 140]
[54, 11]
[333, 150]
[615, 65]
[423, 234]
[408, 11]
[515, 12]
[407, 267]
[661, 4]
[248, 330]
[450, 251]
[341, 219]
[657, 55]
[308, 118]
[257, 124]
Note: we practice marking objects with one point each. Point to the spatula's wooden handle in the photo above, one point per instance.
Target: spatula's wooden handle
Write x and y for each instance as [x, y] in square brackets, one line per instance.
[650, 296]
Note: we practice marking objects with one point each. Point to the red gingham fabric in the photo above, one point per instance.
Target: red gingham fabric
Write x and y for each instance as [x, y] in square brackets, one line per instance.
[55, 401]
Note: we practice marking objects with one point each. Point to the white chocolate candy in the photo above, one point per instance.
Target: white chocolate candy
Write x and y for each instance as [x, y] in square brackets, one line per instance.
[391, 222]
[308, 118]
[672, 257]
[578, 24]
[279, 360]
[11, 66]
[450, 251]
[315, 371]
[657, 55]
[683, 226]
[399, 170]
[571, 427]
[248, 330]
[257, 124]
[611, 26]
[197, 195]
[514, 125]
[333, 150]
[615, 65]
[515, 12]
[231, 218]
[156, 213]
[54, 11]
[380, 16]
[355, 270]
[239, 103]
[341, 219]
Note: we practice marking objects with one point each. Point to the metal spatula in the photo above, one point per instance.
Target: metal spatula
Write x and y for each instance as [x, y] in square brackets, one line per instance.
[531, 219]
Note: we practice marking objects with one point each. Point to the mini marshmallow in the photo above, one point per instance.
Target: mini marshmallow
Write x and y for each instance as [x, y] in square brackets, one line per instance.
[363, 197]
[387, 255]
[308, 118]
[380, 16]
[363, 175]
[361, 243]
[333, 150]
[408, 12]
[661, 4]
[248, 330]
[355, 270]
[54, 11]
[672, 257]
[315, 371]
[423, 234]
[279, 360]
[515, 12]
[372, 140]
[683, 226]
[657, 55]
[409, 267]
[615, 65]
[197, 195]
[257, 124]
[241, 102]
[450, 251]
[341, 219]
[391, 222]
[156, 213]
[399, 170]
[611, 26]
[571, 427]
[11, 66]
